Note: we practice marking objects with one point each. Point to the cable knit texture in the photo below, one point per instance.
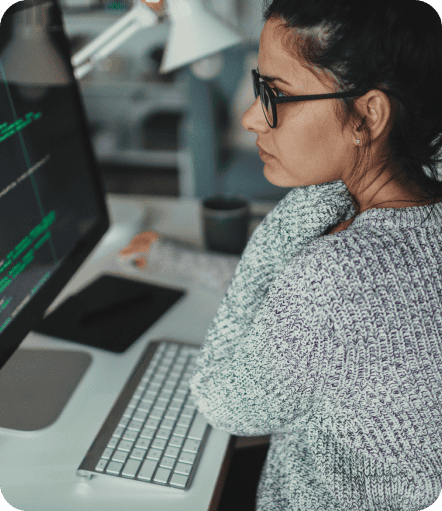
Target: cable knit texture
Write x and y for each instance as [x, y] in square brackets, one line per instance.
[333, 346]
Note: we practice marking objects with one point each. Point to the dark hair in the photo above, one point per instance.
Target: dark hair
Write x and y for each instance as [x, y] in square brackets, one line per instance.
[390, 45]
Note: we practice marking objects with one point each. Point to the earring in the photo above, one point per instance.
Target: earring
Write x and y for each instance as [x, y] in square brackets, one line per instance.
[357, 141]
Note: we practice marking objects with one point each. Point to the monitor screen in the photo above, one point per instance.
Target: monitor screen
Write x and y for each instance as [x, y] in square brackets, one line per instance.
[52, 206]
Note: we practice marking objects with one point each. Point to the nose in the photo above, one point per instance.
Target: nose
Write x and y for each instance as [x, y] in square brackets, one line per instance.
[254, 119]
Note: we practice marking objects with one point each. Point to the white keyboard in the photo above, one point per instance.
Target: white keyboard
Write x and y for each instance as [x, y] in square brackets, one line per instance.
[153, 434]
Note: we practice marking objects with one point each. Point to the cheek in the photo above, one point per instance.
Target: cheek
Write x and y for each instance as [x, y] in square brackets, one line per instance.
[307, 133]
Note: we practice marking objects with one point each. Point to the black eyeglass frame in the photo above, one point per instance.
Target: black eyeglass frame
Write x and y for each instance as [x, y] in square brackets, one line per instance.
[260, 86]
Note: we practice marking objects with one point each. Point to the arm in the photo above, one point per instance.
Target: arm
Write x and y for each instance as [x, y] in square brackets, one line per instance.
[278, 361]
[302, 216]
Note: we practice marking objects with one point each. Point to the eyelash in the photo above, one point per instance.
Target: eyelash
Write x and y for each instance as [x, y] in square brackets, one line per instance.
[277, 92]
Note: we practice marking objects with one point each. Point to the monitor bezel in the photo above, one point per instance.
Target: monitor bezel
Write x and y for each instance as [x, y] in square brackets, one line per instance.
[33, 312]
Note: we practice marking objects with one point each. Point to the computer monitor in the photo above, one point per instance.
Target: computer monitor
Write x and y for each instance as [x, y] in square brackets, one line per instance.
[52, 207]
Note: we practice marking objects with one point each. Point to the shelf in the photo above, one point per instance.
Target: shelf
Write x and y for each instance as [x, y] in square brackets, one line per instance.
[170, 94]
[141, 157]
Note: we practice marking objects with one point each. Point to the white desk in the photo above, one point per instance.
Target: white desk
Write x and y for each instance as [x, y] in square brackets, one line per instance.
[38, 469]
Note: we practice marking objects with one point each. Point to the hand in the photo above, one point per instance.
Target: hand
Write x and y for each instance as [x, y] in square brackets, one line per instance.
[155, 6]
[141, 243]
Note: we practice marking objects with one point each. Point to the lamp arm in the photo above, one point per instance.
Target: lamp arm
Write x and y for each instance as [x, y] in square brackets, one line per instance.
[137, 18]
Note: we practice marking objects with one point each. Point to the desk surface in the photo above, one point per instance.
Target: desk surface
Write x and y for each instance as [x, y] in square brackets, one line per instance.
[38, 469]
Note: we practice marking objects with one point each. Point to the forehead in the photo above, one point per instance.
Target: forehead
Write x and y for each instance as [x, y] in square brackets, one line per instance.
[273, 58]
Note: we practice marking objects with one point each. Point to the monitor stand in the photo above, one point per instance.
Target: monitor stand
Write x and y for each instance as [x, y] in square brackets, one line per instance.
[36, 384]
[110, 313]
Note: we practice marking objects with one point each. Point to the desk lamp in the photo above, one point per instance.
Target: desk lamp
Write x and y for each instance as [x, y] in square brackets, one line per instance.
[195, 34]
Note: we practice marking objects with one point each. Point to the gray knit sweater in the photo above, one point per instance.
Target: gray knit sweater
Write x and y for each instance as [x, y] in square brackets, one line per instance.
[333, 345]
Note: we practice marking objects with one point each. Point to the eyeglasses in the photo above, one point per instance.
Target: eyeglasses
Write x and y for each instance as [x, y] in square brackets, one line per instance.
[269, 100]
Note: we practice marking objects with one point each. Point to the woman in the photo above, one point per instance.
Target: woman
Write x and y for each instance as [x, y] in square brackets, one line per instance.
[329, 337]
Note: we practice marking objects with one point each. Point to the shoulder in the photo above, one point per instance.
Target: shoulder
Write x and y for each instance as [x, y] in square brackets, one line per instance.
[330, 254]
[339, 266]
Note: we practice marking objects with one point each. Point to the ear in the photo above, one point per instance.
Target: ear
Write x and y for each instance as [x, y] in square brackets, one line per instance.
[375, 108]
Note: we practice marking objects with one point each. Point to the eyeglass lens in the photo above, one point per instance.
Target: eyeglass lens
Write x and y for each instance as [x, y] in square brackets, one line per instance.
[259, 89]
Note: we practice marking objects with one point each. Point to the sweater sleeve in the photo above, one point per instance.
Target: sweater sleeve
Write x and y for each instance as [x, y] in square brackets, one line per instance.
[241, 327]
[273, 373]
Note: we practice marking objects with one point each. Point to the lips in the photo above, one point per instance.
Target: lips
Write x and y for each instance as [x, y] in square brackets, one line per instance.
[261, 149]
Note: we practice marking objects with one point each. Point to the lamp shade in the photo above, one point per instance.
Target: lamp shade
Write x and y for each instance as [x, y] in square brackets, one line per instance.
[195, 33]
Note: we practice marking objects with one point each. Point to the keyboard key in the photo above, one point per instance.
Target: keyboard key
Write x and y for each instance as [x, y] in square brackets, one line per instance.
[184, 421]
[154, 454]
[120, 456]
[161, 401]
[142, 443]
[144, 406]
[198, 427]
[113, 442]
[172, 452]
[133, 403]
[124, 421]
[181, 394]
[138, 454]
[156, 414]
[183, 468]
[167, 424]
[100, 465]
[166, 393]
[187, 457]
[118, 432]
[191, 446]
[147, 433]
[180, 431]
[138, 392]
[172, 413]
[128, 412]
[183, 387]
[139, 416]
[114, 468]
[188, 411]
[135, 425]
[125, 445]
[159, 443]
[147, 470]
[167, 462]
[162, 475]
[129, 435]
[179, 480]
[177, 402]
[107, 453]
[161, 406]
[163, 433]
[131, 467]
[176, 441]
[152, 423]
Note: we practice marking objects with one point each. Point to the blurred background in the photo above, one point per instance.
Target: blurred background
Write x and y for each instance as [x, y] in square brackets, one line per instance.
[176, 134]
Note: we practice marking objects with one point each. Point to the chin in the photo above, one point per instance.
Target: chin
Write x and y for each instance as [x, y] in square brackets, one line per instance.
[275, 178]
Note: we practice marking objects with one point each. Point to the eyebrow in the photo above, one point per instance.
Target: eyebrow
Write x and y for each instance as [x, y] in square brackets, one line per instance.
[268, 78]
